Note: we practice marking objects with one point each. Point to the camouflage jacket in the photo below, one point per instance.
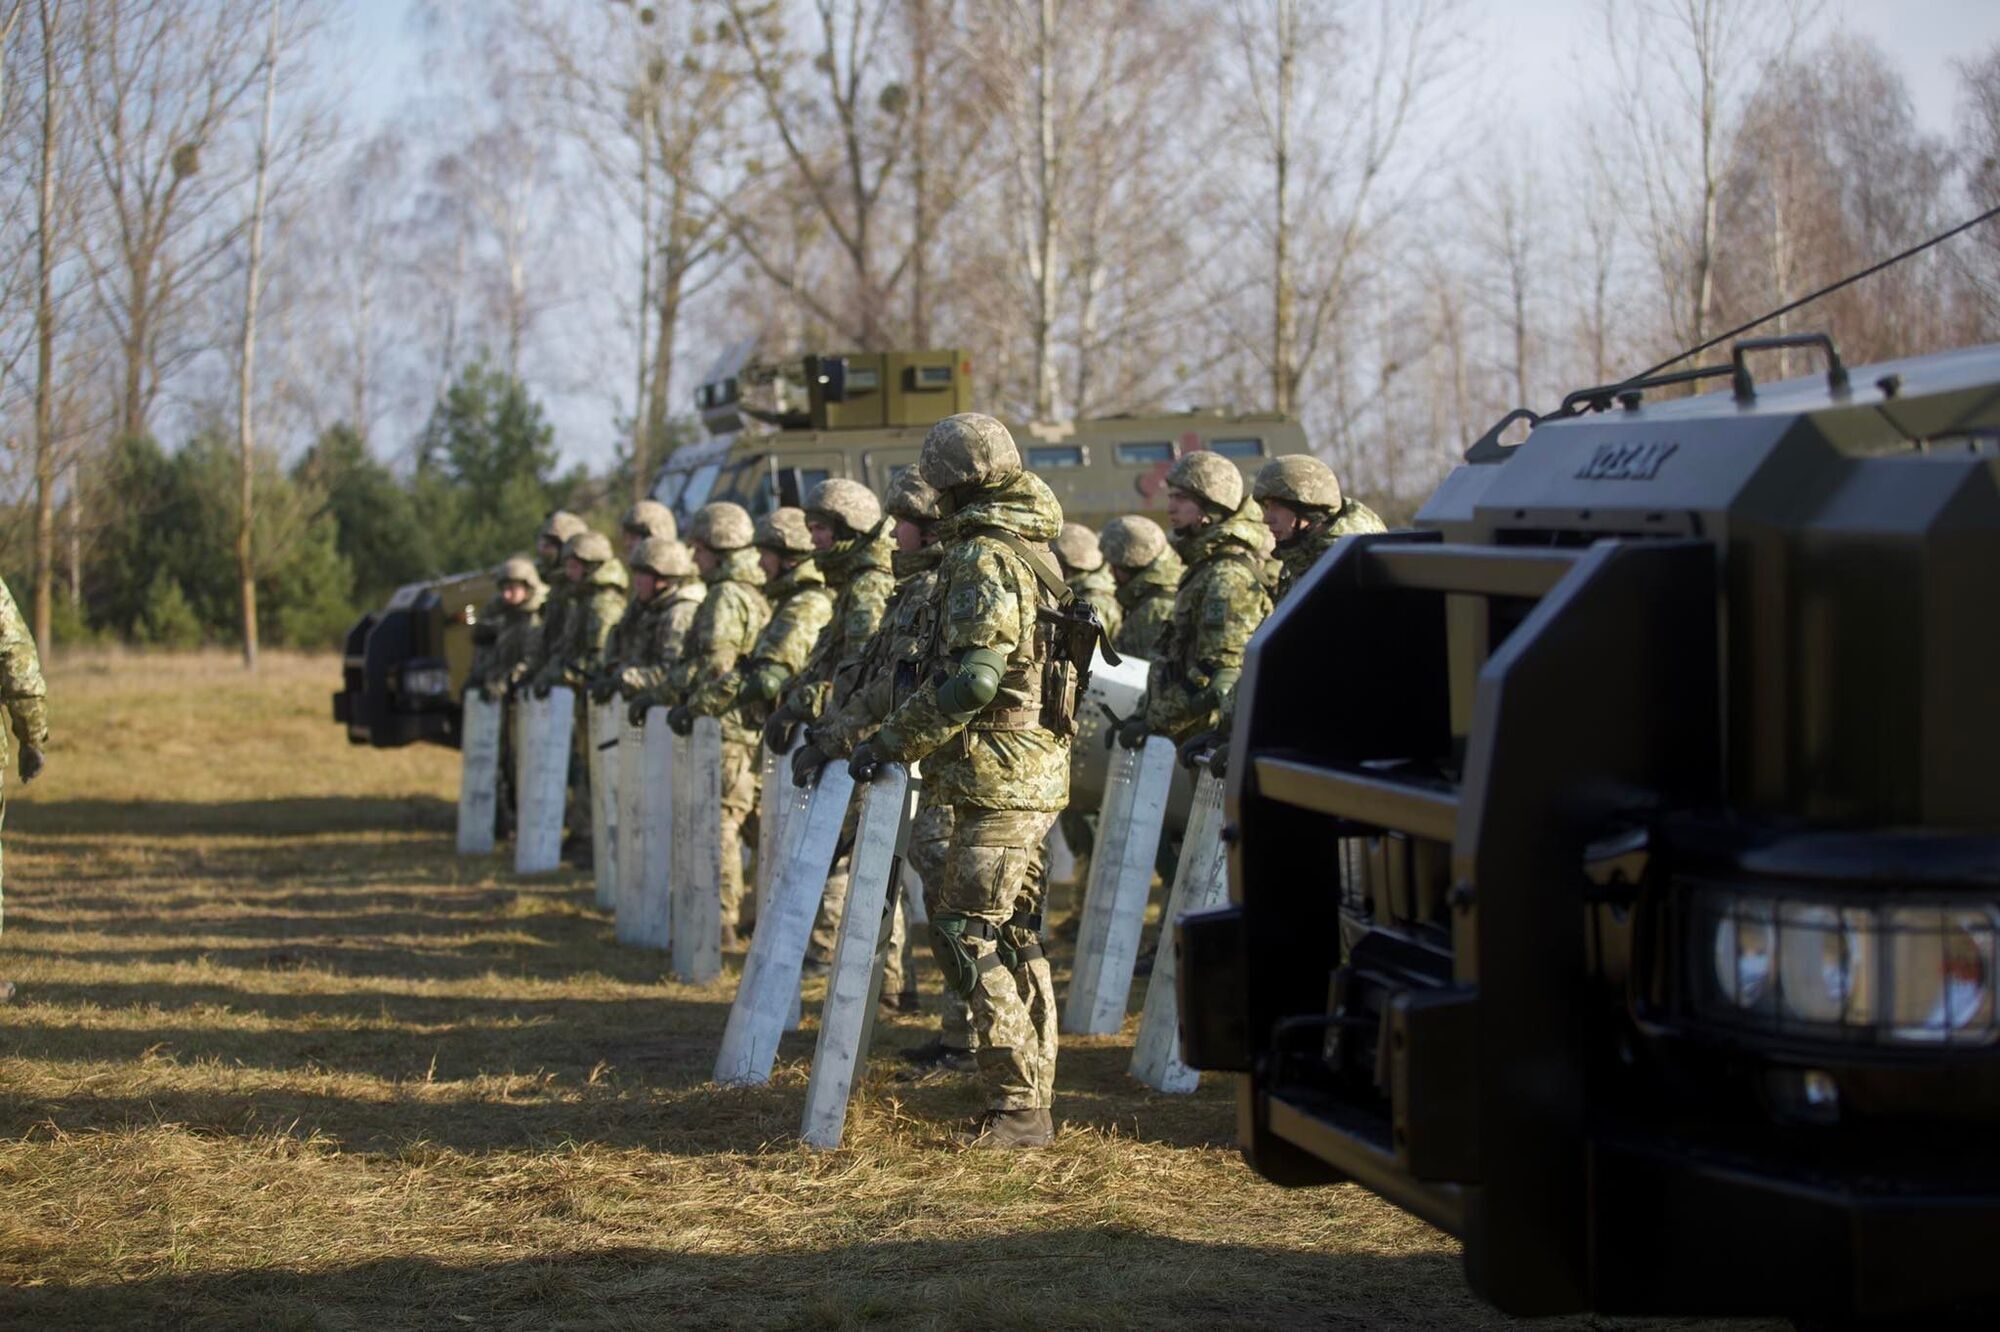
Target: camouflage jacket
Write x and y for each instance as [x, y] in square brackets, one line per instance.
[594, 610]
[859, 574]
[503, 660]
[1099, 590]
[987, 596]
[21, 686]
[648, 640]
[1147, 601]
[801, 607]
[725, 627]
[888, 671]
[1300, 554]
[1219, 604]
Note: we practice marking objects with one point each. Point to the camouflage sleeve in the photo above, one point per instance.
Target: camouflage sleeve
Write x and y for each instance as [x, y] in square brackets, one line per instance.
[601, 619]
[21, 685]
[794, 629]
[982, 609]
[857, 614]
[1232, 606]
[711, 687]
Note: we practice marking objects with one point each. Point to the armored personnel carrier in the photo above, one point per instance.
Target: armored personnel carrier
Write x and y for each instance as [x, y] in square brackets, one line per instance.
[775, 430]
[1615, 858]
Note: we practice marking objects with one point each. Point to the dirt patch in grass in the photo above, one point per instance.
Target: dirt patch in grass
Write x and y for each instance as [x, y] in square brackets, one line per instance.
[280, 1059]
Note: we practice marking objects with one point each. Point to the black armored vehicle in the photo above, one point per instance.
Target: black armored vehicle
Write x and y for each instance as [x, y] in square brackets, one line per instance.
[1615, 858]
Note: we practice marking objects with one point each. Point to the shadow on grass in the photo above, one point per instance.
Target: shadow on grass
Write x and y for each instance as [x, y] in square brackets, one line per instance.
[1056, 1278]
[297, 816]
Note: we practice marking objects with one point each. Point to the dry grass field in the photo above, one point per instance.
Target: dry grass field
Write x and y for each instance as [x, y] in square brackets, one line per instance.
[280, 1060]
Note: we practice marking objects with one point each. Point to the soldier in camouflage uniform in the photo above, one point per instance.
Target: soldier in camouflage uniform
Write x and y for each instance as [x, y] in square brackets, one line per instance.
[595, 584]
[704, 681]
[26, 700]
[665, 593]
[506, 635]
[992, 718]
[512, 617]
[866, 693]
[556, 533]
[855, 554]
[1084, 569]
[801, 607]
[1220, 602]
[1147, 573]
[643, 522]
[1306, 514]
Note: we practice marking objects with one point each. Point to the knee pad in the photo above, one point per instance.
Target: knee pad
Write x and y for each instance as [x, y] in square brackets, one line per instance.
[955, 960]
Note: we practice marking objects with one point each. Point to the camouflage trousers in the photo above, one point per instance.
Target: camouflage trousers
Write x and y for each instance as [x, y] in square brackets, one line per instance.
[930, 836]
[896, 976]
[995, 876]
[739, 797]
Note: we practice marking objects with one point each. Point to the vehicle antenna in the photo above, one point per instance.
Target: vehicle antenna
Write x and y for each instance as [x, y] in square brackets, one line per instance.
[1827, 290]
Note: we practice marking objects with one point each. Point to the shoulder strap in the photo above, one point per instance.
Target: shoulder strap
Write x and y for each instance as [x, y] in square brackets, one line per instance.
[1042, 566]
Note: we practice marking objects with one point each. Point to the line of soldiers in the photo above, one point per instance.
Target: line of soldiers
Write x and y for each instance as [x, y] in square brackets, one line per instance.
[944, 626]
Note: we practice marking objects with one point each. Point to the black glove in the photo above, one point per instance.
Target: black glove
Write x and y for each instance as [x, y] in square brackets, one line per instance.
[865, 763]
[540, 689]
[680, 720]
[806, 763]
[31, 763]
[638, 710]
[778, 731]
[1196, 746]
[1218, 762]
[1132, 732]
[602, 690]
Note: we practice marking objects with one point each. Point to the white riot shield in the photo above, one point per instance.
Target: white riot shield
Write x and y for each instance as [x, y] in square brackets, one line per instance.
[777, 798]
[631, 756]
[770, 984]
[1201, 883]
[479, 773]
[850, 988]
[546, 724]
[653, 905]
[601, 750]
[697, 853]
[1121, 871]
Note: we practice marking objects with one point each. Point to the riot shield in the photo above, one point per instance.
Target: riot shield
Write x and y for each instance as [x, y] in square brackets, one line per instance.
[605, 724]
[636, 801]
[479, 773]
[850, 988]
[654, 903]
[770, 984]
[1121, 872]
[1201, 883]
[546, 724]
[697, 853]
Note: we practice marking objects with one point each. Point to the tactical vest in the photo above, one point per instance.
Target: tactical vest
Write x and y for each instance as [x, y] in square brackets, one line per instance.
[1041, 685]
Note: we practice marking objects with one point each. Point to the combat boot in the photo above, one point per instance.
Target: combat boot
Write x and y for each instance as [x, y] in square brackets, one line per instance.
[1007, 1130]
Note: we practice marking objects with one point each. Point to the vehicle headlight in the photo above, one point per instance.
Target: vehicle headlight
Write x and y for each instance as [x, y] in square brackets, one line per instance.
[426, 680]
[1903, 974]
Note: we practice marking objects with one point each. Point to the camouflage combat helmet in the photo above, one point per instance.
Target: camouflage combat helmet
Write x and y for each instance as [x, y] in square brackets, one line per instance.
[970, 448]
[1132, 542]
[911, 497]
[650, 518]
[520, 569]
[721, 526]
[1210, 478]
[560, 526]
[783, 531]
[590, 547]
[1297, 481]
[664, 557]
[848, 503]
[1076, 546]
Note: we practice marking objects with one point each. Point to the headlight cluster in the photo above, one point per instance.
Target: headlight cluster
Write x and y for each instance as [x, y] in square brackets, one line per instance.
[1915, 973]
[432, 681]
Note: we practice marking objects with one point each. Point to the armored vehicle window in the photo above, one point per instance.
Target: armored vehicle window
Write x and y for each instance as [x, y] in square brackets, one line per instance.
[699, 484]
[669, 488]
[1055, 455]
[1237, 450]
[1147, 453]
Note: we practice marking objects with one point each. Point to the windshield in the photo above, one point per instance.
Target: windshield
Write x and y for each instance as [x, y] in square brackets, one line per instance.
[699, 483]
